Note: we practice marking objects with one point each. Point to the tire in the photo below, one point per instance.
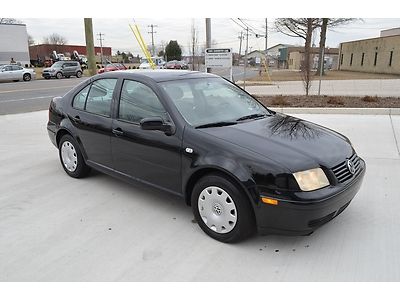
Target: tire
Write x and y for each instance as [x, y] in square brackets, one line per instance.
[71, 157]
[27, 77]
[79, 74]
[59, 75]
[226, 214]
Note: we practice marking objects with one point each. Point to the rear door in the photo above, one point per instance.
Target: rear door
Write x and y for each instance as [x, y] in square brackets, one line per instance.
[91, 116]
[17, 72]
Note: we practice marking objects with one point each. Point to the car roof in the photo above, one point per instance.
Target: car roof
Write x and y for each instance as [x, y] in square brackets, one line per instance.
[161, 75]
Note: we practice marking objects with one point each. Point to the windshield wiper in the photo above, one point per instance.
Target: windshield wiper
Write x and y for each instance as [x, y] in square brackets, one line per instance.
[217, 124]
[252, 116]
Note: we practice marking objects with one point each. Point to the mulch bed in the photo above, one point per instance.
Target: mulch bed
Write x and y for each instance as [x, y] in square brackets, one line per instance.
[330, 101]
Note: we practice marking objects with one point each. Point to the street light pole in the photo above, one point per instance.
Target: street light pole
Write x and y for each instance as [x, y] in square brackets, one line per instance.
[208, 37]
[321, 70]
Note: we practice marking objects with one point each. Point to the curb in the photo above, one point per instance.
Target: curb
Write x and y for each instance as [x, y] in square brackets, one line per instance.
[337, 110]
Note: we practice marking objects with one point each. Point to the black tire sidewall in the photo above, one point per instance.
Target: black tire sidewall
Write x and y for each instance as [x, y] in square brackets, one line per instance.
[27, 77]
[59, 75]
[245, 223]
[79, 74]
[81, 168]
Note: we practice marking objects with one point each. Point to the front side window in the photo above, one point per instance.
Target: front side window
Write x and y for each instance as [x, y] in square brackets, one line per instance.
[100, 97]
[211, 100]
[138, 101]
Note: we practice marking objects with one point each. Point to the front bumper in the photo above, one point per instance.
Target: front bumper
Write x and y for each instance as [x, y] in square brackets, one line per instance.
[303, 217]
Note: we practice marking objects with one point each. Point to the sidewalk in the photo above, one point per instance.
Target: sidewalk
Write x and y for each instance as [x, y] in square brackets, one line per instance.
[362, 87]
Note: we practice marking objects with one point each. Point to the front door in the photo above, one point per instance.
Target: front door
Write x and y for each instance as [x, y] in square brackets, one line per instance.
[91, 116]
[146, 155]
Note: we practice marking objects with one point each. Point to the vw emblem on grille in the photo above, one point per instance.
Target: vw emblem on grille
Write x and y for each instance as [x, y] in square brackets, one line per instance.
[351, 167]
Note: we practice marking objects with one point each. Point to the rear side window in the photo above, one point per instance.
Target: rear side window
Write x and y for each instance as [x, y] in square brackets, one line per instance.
[138, 101]
[100, 97]
[80, 98]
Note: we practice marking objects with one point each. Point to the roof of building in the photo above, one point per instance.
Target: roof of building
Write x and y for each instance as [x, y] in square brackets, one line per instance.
[374, 38]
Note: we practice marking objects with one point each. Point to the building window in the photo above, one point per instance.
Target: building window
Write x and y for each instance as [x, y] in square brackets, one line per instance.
[341, 59]
[390, 58]
[351, 59]
[376, 58]
[362, 59]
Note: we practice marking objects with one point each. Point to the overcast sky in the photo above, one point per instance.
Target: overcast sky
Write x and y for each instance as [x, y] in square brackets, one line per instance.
[225, 32]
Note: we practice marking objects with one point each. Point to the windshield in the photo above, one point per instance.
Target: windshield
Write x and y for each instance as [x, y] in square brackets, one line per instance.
[212, 100]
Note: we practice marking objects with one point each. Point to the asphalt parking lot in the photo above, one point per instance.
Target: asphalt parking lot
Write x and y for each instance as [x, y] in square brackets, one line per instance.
[56, 228]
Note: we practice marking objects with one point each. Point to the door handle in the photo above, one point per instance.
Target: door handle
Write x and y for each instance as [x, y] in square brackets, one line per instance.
[118, 132]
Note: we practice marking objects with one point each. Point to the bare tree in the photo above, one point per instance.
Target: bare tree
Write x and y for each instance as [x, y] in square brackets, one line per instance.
[303, 28]
[325, 24]
[55, 39]
[194, 45]
[9, 21]
[31, 41]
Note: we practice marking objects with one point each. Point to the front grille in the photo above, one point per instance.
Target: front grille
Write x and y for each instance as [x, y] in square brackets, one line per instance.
[342, 172]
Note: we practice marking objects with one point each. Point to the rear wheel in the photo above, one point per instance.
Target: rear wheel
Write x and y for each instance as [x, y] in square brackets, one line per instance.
[27, 77]
[222, 210]
[59, 75]
[71, 157]
[79, 74]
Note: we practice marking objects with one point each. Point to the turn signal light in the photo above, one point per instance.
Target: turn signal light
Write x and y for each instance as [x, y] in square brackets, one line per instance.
[269, 201]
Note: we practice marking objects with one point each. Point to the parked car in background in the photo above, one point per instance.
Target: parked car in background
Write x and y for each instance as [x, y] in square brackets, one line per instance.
[158, 61]
[16, 73]
[62, 69]
[177, 65]
[112, 67]
[241, 166]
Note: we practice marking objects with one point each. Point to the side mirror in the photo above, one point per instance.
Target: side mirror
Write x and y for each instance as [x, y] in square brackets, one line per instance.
[157, 123]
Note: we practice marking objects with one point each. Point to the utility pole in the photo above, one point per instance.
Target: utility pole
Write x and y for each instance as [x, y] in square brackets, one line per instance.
[266, 42]
[90, 46]
[101, 46]
[208, 37]
[240, 44]
[152, 32]
[245, 57]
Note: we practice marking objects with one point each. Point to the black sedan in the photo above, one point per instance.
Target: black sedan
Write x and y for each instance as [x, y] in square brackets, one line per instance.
[241, 166]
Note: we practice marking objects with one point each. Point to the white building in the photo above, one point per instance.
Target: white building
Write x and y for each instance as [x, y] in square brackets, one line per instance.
[14, 44]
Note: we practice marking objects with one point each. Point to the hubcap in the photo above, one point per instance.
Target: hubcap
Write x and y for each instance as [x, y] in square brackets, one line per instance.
[68, 156]
[217, 209]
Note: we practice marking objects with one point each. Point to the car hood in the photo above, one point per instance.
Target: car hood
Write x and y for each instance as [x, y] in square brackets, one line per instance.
[294, 143]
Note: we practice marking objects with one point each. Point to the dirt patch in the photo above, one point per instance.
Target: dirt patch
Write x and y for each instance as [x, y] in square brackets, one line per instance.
[330, 101]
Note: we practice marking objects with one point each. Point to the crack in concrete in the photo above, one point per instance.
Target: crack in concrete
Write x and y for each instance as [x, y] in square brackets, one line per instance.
[394, 134]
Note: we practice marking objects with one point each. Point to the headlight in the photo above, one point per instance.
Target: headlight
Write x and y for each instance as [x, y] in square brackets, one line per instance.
[311, 179]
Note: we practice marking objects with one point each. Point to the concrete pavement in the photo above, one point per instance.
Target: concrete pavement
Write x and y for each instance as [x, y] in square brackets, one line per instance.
[56, 228]
[371, 87]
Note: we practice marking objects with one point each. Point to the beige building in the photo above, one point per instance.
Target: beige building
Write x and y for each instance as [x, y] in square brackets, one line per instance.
[296, 58]
[375, 55]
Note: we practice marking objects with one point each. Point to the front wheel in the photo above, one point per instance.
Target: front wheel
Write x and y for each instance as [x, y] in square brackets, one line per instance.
[71, 157]
[222, 210]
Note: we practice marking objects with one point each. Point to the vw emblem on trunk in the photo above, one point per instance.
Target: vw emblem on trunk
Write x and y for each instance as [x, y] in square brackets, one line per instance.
[351, 167]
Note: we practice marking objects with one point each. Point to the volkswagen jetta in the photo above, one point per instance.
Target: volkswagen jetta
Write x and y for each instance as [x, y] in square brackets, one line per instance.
[241, 166]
